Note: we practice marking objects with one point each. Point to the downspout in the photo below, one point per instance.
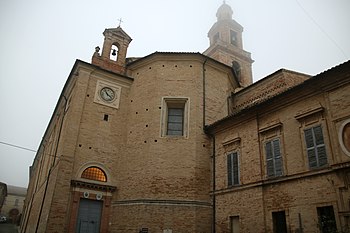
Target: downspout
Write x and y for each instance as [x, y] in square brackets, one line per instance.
[53, 164]
[204, 91]
[213, 153]
[261, 170]
[214, 186]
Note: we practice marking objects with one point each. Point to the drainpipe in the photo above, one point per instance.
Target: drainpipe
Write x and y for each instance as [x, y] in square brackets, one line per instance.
[204, 93]
[213, 156]
[53, 164]
[214, 186]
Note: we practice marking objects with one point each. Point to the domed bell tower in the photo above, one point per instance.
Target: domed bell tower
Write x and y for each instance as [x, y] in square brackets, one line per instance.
[115, 46]
[226, 45]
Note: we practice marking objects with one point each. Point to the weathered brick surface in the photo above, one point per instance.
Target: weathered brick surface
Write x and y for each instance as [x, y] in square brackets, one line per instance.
[264, 89]
[300, 190]
[138, 161]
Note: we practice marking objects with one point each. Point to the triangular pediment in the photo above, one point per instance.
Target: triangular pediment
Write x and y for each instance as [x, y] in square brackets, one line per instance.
[117, 32]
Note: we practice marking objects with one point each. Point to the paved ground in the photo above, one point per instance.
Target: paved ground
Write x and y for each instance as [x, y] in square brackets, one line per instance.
[8, 228]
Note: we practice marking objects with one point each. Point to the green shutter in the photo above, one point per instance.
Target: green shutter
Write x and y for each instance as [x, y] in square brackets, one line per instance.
[309, 138]
[232, 169]
[269, 159]
[322, 156]
[235, 169]
[277, 157]
[276, 148]
[274, 165]
[316, 150]
[229, 170]
[318, 135]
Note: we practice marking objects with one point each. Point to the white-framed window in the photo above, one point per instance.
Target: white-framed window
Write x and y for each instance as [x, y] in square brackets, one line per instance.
[175, 112]
[315, 147]
[274, 164]
[232, 169]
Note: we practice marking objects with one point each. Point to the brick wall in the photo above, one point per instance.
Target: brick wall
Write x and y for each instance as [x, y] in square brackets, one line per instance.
[300, 190]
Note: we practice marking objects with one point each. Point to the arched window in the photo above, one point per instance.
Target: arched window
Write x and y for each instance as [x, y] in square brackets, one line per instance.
[114, 52]
[94, 173]
[237, 70]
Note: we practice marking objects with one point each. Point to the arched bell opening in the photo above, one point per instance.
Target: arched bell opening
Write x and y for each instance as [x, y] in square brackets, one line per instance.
[114, 52]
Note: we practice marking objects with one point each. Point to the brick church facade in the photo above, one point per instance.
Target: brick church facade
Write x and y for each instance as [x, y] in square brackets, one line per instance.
[185, 142]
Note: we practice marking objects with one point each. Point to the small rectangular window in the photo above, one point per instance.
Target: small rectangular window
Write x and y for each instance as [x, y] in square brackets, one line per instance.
[316, 149]
[105, 118]
[175, 117]
[274, 165]
[232, 169]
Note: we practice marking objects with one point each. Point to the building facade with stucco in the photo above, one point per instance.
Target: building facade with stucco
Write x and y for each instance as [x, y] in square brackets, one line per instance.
[145, 144]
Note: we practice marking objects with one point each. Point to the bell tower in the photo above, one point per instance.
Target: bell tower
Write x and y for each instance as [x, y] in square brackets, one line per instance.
[115, 46]
[226, 45]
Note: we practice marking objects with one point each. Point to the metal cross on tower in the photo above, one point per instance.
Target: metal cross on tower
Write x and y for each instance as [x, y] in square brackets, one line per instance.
[120, 21]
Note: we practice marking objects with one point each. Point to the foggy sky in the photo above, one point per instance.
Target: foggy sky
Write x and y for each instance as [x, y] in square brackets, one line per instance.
[40, 40]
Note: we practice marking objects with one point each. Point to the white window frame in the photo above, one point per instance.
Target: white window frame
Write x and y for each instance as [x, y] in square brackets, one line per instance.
[166, 102]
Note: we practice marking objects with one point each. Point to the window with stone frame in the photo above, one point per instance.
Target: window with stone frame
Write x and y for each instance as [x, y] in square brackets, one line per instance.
[175, 117]
[312, 130]
[232, 169]
[315, 147]
[274, 164]
[232, 148]
[271, 139]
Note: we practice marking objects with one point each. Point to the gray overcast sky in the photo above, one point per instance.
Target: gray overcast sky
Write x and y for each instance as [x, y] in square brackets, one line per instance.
[40, 40]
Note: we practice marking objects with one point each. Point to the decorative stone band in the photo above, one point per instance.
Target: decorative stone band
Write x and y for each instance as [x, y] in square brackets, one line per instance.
[163, 202]
[93, 186]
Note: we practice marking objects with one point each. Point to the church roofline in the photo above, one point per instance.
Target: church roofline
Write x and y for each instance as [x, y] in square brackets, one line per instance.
[341, 68]
[178, 53]
[204, 57]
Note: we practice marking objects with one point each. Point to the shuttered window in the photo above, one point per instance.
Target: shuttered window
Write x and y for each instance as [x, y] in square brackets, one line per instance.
[316, 149]
[274, 163]
[232, 169]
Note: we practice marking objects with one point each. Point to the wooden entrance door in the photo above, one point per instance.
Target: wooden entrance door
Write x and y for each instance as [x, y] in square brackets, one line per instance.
[89, 216]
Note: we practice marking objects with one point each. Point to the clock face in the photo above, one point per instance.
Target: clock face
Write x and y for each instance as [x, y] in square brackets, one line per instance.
[107, 94]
